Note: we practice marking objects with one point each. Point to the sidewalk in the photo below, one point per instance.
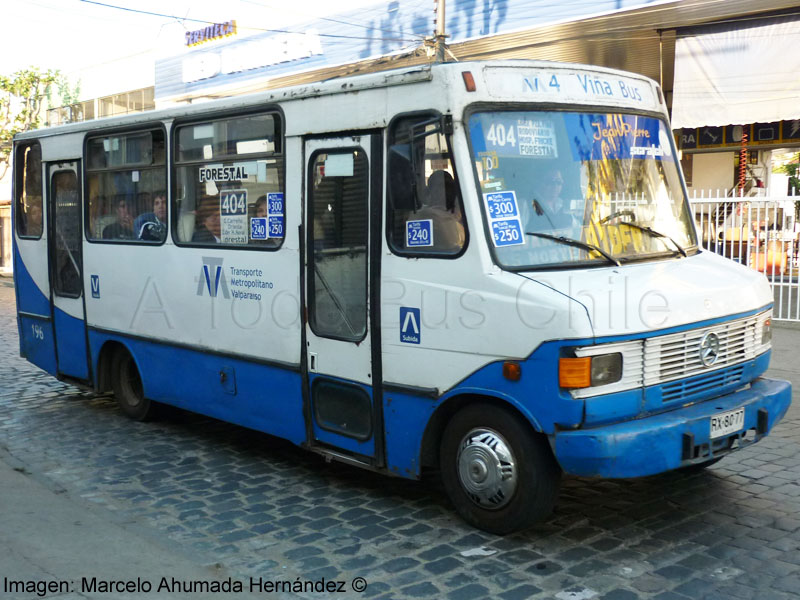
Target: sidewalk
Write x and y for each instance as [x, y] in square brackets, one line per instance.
[785, 362]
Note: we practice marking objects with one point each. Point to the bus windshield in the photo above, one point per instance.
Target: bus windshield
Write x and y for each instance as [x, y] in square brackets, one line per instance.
[561, 188]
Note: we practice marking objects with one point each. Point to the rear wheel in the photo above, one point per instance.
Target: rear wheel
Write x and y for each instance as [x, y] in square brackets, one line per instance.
[500, 475]
[128, 388]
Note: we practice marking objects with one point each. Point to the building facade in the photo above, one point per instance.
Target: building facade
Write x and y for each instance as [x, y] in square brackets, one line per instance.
[748, 101]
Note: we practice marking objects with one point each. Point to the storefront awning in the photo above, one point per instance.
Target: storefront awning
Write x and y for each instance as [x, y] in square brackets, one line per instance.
[737, 73]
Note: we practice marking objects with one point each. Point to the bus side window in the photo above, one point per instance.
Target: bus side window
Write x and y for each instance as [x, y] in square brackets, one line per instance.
[29, 191]
[229, 182]
[126, 179]
[425, 212]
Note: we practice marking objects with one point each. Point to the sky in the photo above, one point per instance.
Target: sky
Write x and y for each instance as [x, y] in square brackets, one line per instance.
[71, 34]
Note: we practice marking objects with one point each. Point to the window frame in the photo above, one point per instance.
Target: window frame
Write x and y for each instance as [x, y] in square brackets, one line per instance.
[92, 135]
[422, 115]
[175, 164]
[56, 281]
[18, 184]
[311, 261]
[479, 107]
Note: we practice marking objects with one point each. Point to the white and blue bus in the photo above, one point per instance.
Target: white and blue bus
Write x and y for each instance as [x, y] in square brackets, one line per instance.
[485, 268]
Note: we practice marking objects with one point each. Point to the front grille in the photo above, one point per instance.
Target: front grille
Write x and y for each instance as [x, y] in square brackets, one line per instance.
[685, 389]
[677, 356]
[673, 361]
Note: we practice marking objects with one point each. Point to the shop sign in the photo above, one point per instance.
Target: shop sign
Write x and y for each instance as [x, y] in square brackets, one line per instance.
[212, 32]
[730, 136]
[257, 54]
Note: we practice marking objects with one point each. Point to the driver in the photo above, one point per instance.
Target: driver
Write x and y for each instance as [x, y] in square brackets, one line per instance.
[549, 211]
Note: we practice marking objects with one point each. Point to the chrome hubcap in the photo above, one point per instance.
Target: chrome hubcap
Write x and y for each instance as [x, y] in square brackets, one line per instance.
[486, 468]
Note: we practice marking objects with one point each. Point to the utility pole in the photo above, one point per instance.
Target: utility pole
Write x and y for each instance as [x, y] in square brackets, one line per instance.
[439, 32]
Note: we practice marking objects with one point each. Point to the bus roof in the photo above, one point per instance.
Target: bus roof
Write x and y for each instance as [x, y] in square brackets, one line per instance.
[497, 81]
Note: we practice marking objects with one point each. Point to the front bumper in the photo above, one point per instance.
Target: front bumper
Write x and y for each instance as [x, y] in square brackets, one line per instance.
[673, 439]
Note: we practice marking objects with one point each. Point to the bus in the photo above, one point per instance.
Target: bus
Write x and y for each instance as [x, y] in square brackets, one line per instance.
[488, 271]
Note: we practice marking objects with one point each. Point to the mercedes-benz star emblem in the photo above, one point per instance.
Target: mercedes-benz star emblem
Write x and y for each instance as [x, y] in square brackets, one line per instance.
[709, 348]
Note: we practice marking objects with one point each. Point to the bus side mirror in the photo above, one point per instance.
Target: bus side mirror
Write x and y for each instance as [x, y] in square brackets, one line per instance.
[402, 178]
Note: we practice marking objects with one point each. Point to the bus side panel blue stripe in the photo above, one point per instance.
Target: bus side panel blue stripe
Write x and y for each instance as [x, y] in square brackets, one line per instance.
[41, 351]
[266, 398]
[71, 344]
[405, 418]
[31, 299]
[38, 350]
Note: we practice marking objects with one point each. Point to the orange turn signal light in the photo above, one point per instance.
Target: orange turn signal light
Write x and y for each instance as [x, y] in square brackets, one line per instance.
[575, 372]
[512, 371]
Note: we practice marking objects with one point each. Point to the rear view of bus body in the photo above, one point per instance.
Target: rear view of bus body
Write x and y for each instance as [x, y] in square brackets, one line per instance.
[486, 268]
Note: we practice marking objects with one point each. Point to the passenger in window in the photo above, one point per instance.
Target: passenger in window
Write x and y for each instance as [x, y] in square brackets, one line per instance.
[207, 229]
[441, 204]
[33, 221]
[122, 229]
[261, 207]
[152, 226]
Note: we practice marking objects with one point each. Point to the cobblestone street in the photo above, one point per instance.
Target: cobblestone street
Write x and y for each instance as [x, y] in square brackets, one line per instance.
[258, 507]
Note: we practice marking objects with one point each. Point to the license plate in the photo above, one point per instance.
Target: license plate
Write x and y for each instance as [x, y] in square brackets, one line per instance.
[727, 423]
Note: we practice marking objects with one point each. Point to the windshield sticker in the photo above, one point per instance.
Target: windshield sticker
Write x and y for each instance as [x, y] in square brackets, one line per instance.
[507, 232]
[504, 218]
[537, 138]
[419, 233]
[493, 185]
[489, 162]
[501, 205]
[504, 134]
[612, 137]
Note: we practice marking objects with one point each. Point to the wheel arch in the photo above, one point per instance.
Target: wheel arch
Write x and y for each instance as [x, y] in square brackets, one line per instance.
[105, 362]
[429, 451]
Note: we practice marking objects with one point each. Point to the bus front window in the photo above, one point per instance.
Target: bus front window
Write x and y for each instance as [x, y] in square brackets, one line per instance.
[561, 188]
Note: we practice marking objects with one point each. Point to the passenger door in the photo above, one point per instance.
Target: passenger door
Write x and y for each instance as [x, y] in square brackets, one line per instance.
[66, 268]
[343, 409]
[31, 265]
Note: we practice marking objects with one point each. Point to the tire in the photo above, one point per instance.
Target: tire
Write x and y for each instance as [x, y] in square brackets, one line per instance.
[128, 388]
[500, 474]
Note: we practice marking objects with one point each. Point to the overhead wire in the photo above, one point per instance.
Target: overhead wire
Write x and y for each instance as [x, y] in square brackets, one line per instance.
[415, 38]
[616, 33]
[248, 27]
[328, 19]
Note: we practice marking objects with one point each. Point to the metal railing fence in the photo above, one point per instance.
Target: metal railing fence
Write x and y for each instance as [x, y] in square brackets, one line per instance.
[759, 232]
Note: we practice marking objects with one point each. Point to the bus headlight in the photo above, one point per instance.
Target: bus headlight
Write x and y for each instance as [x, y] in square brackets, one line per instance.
[589, 371]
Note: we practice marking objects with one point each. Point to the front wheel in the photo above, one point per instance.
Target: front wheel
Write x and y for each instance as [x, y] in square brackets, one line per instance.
[128, 388]
[500, 474]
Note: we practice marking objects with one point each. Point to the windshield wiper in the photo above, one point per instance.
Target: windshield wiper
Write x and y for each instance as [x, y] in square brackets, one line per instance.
[657, 234]
[576, 244]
